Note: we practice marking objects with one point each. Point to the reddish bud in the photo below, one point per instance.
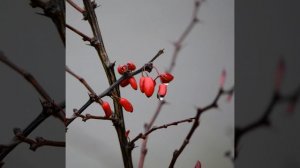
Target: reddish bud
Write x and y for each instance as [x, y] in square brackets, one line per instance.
[126, 104]
[106, 107]
[142, 84]
[166, 77]
[122, 69]
[133, 83]
[131, 66]
[148, 85]
[198, 164]
[162, 91]
[279, 75]
[222, 78]
[127, 133]
[124, 82]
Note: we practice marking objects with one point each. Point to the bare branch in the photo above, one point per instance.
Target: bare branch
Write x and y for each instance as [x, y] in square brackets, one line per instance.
[74, 5]
[214, 104]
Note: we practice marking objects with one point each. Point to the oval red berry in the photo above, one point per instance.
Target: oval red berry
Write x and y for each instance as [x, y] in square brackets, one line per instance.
[131, 66]
[162, 91]
[142, 84]
[166, 77]
[124, 82]
[133, 83]
[126, 104]
[106, 107]
[148, 85]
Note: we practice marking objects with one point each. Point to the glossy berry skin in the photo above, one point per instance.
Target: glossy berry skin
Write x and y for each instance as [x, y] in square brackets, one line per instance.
[166, 77]
[142, 84]
[106, 107]
[133, 83]
[148, 85]
[126, 104]
[122, 69]
[131, 66]
[124, 82]
[198, 164]
[162, 90]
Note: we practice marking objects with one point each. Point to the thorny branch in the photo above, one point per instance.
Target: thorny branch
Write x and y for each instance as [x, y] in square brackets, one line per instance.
[214, 104]
[38, 142]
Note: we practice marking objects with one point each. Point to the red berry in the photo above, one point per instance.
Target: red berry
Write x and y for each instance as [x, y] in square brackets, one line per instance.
[148, 85]
[106, 107]
[142, 84]
[133, 83]
[166, 77]
[162, 90]
[126, 104]
[124, 82]
[131, 66]
[122, 69]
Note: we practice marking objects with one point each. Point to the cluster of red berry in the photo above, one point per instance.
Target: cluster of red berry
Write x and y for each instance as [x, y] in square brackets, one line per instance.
[147, 86]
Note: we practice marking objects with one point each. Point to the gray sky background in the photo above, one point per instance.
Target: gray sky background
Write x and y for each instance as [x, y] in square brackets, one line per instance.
[134, 31]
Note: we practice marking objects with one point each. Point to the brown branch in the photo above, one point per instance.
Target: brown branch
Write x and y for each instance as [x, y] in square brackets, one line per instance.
[38, 142]
[37, 86]
[84, 37]
[187, 139]
[89, 116]
[144, 135]
[48, 110]
[74, 5]
[184, 35]
[177, 48]
[264, 120]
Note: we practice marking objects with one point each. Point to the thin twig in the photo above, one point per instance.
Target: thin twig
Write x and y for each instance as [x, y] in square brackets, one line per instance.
[186, 32]
[89, 116]
[144, 135]
[48, 109]
[74, 5]
[187, 139]
[30, 78]
[264, 120]
[38, 142]
[84, 37]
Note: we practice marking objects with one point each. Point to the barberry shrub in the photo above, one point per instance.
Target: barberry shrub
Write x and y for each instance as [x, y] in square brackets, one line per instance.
[185, 74]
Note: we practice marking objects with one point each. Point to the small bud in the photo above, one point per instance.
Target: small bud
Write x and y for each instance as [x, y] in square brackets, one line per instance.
[106, 107]
[127, 133]
[148, 85]
[126, 104]
[279, 75]
[198, 164]
[133, 83]
[131, 66]
[166, 77]
[222, 78]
